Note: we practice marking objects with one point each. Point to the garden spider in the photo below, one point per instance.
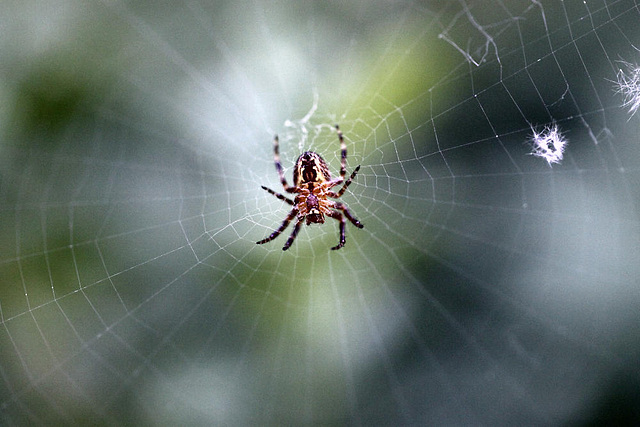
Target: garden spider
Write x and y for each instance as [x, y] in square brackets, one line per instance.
[312, 187]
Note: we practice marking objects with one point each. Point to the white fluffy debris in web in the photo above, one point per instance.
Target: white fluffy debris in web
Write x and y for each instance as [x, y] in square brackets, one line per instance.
[548, 144]
[628, 84]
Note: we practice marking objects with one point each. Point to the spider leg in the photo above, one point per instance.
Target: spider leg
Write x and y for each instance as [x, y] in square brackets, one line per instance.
[278, 195]
[342, 207]
[280, 229]
[346, 184]
[276, 159]
[343, 154]
[293, 235]
[337, 215]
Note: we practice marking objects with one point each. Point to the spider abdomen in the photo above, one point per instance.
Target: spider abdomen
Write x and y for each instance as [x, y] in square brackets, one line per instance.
[310, 168]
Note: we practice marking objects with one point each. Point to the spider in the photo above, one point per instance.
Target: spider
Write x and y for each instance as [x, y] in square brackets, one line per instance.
[313, 184]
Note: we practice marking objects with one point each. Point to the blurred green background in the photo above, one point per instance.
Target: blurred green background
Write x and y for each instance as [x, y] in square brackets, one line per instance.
[485, 288]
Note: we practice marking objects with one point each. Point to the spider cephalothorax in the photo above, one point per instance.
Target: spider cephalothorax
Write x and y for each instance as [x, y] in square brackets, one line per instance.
[312, 187]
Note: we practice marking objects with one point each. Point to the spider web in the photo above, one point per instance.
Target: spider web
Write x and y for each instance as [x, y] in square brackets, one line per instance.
[495, 281]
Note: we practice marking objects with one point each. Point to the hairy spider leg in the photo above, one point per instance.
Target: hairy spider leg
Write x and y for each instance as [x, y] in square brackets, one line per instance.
[337, 215]
[343, 154]
[276, 158]
[293, 235]
[346, 184]
[278, 195]
[280, 229]
[342, 207]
